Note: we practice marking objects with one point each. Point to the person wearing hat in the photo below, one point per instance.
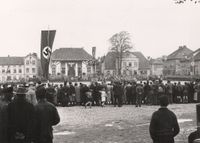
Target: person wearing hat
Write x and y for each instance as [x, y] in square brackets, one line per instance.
[20, 118]
[46, 116]
[164, 125]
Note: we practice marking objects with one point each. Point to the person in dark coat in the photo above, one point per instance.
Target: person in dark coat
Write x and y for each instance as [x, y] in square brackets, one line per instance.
[139, 95]
[72, 94]
[65, 95]
[194, 135]
[163, 126]
[20, 118]
[46, 116]
[118, 91]
[4, 101]
[50, 95]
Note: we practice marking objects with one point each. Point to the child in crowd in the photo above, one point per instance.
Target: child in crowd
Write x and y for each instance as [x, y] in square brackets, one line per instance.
[88, 99]
[103, 97]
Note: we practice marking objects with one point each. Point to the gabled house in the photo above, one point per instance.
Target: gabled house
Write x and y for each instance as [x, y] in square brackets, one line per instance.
[173, 64]
[156, 66]
[133, 63]
[194, 62]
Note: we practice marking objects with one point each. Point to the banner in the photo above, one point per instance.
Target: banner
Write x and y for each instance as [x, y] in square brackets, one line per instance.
[47, 38]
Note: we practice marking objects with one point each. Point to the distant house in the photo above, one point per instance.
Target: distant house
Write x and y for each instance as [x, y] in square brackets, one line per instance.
[144, 66]
[31, 66]
[18, 68]
[71, 62]
[157, 67]
[194, 62]
[133, 63]
[173, 66]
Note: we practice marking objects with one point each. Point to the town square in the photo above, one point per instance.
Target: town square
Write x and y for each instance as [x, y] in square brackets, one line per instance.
[92, 71]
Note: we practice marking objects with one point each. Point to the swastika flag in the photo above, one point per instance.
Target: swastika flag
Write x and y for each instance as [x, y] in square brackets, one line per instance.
[47, 38]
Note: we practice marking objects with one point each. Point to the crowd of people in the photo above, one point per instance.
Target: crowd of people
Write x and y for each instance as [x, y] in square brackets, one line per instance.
[25, 115]
[115, 93]
[118, 93]
[28, 112]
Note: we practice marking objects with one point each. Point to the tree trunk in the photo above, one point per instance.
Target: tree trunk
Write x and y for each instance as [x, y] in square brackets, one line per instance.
[120, 62]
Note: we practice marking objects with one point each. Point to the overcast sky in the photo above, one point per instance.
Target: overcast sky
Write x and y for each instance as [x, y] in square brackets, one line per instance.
[157, 27]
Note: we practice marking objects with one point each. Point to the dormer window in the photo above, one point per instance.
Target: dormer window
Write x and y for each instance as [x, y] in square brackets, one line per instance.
[27, 62]
[33, 62]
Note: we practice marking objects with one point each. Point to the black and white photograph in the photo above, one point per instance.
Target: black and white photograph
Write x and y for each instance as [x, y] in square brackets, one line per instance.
[100, 71]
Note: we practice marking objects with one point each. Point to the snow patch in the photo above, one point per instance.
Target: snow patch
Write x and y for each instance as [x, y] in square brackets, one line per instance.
[64, 133]
[108, 125]
[184, 120]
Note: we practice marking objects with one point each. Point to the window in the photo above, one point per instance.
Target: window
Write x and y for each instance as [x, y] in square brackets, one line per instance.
[33, 70]
[124, 64]
[88, 69]
[130, 64]
[8, 78]
[27, 70]
[33, 62]
[20, 70]
[63, 70]
[3, 70]
[54, 70]
[27, 62]
[14, 70]
[8, 71]
[135, 64]
[14, 78]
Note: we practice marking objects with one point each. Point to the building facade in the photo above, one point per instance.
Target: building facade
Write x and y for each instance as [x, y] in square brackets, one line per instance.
[156, 66]
[175, 61]
[133, 64]
[71, 63]
[31, 66]
[14, 69]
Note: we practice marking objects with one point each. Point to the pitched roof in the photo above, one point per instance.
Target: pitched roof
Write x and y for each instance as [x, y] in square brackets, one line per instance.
[157, 61]
[195, 55]
[11, 60]
[143, 62]
[180, 53]
[71, 54]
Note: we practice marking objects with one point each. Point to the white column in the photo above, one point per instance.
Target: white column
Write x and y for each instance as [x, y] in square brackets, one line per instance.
[76, 69]
[66, 69]
[84, 68]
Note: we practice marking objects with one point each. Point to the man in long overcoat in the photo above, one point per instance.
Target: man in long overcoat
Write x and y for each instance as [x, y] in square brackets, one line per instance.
[20, 118]
[46, 116]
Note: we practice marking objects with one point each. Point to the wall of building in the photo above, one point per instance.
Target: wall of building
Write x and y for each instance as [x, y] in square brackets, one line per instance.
[157, 69]
[30, 66]
[11, 72]
[62, 68]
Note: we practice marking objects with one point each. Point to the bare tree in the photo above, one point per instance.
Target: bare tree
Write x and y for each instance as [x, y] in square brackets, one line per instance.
[120, 43]
[183, 1]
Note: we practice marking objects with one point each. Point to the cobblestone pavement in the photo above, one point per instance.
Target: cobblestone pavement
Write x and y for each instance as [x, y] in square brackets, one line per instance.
[110, 124]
